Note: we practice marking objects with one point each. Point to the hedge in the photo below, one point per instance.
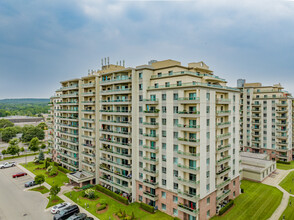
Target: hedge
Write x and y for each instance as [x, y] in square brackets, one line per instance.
[176, 218]
[101, 207]
[87, 186]
[112, 194]
[284, 162]
[63, 169]
[226, 207]
[56, 164]
[146, 207]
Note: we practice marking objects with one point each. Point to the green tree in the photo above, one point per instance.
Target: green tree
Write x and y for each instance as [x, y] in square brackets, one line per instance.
[39, 179]
[55, 189]
[13, 148]
[8, 133]
[31, 132]
[3, 152]
[22, 149]
[42, 125]
[43, 146]
[41, 156]
[34, 144]
[4, 123]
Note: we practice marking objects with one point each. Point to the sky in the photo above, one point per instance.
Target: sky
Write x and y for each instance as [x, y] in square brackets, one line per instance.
[45, 42]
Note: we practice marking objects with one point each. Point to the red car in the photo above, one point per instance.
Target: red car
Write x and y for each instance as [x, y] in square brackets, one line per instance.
[19, 174]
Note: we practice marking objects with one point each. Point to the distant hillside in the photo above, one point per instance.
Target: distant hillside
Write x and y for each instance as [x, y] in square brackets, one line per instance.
[24, 101]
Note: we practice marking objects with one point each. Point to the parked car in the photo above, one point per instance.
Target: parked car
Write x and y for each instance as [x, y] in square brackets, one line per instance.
[7, 164]
[57, 208]
[19, 175]
[67, 212]
[78, 216]
[30, 183]
[89, 218]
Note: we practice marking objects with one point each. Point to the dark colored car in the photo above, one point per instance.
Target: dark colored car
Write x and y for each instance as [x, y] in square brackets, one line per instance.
[89, 218]
[78, 216]
[67, 212]
[19, 175]
[30, 183]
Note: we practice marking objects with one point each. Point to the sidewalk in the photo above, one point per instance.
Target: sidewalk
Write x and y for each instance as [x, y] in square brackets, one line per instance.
[275, 181]
[63, 190]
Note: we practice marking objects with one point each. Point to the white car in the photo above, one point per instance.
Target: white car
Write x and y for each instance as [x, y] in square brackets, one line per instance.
[57, 208]
[7, 164]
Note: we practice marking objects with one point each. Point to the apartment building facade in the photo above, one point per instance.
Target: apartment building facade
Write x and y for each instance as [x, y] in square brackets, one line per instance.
[266, 120]
[163, 134]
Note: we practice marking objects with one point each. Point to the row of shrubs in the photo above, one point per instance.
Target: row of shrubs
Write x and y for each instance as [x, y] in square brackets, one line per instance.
[87, 186]
[146, 207]
[102, 206]
[226, 207]
[284, 162]
[122, 215]
[112, 194]
[63, 169]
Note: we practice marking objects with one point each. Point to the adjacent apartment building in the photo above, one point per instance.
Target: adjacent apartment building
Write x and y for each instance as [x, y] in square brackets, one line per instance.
[163, 134]
[266, 120]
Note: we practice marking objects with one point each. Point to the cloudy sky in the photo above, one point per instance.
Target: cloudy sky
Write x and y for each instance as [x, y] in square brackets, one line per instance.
[44, 42]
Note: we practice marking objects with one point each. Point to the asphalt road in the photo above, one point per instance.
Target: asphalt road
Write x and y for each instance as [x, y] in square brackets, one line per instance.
[15, 203]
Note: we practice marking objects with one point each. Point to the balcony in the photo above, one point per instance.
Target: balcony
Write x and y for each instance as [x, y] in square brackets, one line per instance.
[88, 102]
[72, 165]
[222, 148]
[90, 146]
[190, 142]
[223, 183]
[115, 143]
[88, 119]
[150, 172]
[116, 185]
[87, 85]
[150, 160]
[223, 171]
[116, 173]
[68, 126]
[192, 183]
[88, 93]
[150, 196]
[152, 113]
[223, 160]
[88, 111]
[122, 79]
[113, 163]
[150, 101]
[92, 155]
[150, 183]
[256, 104]
[70, 95]
[184, 127]
[224, 195]
[187, 100]
[189, 114]
[283, 137]
[68, 103]
[87, 137]
[282, 143]
[223, 124]
[70, 141]
[88, 163]
[116, 123]
[76, 86]
[223, 101]
[116, 102]
[150, 124]
[151, 137]
[282, 104]
[223, 136]
[116, 133]
[68, 148]
[113, 112]
[188, 196]
[88, 128]
[117, 91]
[188, 155]
[115, 153]
[282, 149]
[68, 118]
[189, 169]
[186, 209]
[223, 113]
[151, 149]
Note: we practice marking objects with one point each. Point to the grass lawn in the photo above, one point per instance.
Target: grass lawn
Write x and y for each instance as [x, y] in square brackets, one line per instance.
[13, 157]
[285, 166]
[53, 201]
[41, 189]
[258, 201]
[60, 179]
[287, 183]
[289, 211]
[114, 206]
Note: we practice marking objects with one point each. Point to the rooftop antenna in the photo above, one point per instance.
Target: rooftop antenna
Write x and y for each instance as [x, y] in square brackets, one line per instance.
[108, 61]
[117, 63]
[102, 62]
[124, 63]
[120, 62]
[105, 61]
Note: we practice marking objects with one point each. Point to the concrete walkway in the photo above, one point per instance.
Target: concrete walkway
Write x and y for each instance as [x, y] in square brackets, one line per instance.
[274, 180]
[64, 189]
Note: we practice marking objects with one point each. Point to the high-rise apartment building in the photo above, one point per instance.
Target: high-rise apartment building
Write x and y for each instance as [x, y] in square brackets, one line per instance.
[163, 134]
[266, 120]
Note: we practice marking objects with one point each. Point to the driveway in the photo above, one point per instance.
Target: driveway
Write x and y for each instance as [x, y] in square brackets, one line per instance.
[15, 203]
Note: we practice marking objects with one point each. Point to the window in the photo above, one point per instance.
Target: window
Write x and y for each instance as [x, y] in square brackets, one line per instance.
[140, 86]
[163, 182]
[141, 175]
[176, 109]
[167, 84]
[207, 122]
[140, 109]
[234, 194]
[175, 199]
[163, 169]
[140, 164]
[176, 147]
[207, 148]
[207, 109]
[175, 212]
[163, 195]
[179, 83]
[155, 85]
[163, 206]
[140, 187]
[163, 109]
[234, 183]
[164, 158]
[176, 122]
[140, 75]
[207, 174]
[140, 98]
[140, 153]
[175, 160]
[208, 213]
[176, 134]
[176, 96]
[140, 198]
[140, 120]
[207, 187]
[163, 133]
[207, 135]
[176, 173]
[141, 131]
[163, 146]
[164, 121]
[163, 97]
[176, 186]
[207, 161]
[208, 201]
[207, 96]
[140, 142]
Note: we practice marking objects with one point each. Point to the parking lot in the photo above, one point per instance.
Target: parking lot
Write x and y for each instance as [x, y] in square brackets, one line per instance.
[15, 202]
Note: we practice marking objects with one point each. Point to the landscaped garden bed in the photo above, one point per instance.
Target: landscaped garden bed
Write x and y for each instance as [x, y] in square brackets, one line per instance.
[41, 189]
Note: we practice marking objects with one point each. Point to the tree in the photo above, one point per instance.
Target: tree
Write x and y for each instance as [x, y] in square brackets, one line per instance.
[31, 132]
[42, 125]
[40, 179]
[43, 146]
[22, 149]
[41, 156]
[3, 152]
[55, 189]
[34, 144]
[8, 133]
[4, 123]
[47, 163]
[13, 148]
